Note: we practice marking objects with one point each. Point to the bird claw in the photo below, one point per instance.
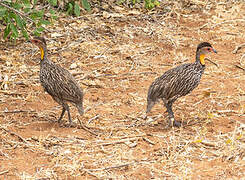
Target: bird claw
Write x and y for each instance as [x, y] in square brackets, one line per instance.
[177, 124]
[174, 123]
[144, 116]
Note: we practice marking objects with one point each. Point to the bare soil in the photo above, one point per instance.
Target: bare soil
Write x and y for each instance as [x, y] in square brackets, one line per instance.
[115, 55]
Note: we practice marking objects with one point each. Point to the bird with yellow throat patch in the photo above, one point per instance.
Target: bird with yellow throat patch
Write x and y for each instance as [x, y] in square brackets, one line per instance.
[58, 82]
[178, 82]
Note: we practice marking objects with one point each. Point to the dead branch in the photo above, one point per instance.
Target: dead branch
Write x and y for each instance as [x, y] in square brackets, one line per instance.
[240, 67]
[212, 62]
[112, 167]
[237, 48]
[18, 111]
[14, 134]
[92, 86]
[93, 118]
[227, 21]
[86, 129]
[118, 142]
[148, 140]
[3, 172]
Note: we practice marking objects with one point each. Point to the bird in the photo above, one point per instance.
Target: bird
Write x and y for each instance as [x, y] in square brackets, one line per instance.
[178, 82]
[58, 82]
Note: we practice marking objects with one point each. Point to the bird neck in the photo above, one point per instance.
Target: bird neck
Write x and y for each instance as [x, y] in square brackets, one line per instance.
[43, 51]
[200, 58]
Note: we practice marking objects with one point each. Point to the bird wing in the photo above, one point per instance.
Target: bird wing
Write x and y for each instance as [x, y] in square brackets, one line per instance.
[58, 82]
[167, 85]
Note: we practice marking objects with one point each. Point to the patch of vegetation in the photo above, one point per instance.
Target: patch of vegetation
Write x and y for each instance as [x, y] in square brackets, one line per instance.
[17, 15]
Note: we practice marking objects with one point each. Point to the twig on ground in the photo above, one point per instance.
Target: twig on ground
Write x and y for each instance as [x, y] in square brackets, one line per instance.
[92, 86]
[3, 172]
[112, 167]
[148, 140]
[118, 142]
[237, 48]
[209, 144]
[14, 134]
[86, 129]
[227, 21]
[212, 62]
[239, 67]
[18, 111]
[90, 173]
[93, 118]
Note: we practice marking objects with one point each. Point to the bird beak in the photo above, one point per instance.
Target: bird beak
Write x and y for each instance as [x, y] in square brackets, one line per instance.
[214, 51]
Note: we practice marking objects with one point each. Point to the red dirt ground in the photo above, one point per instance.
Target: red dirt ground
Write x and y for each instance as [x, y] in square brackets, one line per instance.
[115, 58]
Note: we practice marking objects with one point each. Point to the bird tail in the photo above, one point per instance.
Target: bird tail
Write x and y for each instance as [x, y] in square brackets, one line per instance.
[80, 108]
[150, 104]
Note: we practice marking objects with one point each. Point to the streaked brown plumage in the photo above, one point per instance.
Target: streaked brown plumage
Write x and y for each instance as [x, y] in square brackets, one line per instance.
[58, 82]
[178, 82]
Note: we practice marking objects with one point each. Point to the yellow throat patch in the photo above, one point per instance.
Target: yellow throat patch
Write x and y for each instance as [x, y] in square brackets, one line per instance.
[42, 53]
[202, 57]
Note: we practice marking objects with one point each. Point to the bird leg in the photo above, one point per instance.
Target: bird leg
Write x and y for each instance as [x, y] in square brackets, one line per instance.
[69, 115]
[172, 122]
[65, 105]
[65, 108]
[62, 114]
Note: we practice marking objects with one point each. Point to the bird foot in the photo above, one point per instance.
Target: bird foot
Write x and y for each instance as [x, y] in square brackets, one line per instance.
[144, 116]
[177, 124]
[174, 123]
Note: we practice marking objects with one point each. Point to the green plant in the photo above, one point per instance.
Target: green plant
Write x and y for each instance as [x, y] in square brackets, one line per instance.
[149, 4]
[22, 16]
[15, 15]
[74, 8]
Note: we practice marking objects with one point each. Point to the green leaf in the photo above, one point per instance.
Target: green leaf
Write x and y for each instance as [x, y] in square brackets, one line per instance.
[86, 5]
[40, 13]
[156, 3]
[36, 33]
[69, 9]
[45, 22]
[2, 11]
[6, 31]
[36, 15]
[14, 29]
[53, 2]
[26, 1]
[25, 34]
[28, 5]
[26, 10]
[7, 18]
[12, 15]
[76, 9]
[18, 21]
[34, 2]
[40, 29]
[17, 6]
[52, 11]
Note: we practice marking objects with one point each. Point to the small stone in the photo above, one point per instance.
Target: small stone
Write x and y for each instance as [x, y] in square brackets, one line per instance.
[73, 66]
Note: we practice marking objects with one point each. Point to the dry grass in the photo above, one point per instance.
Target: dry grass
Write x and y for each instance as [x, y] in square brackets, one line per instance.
[115, 56]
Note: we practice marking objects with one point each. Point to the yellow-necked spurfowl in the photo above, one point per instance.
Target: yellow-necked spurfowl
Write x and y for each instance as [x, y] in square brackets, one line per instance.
[178, 82]
[58, 82]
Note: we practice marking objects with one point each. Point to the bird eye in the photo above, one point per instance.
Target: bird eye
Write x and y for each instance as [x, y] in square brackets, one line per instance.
[208, 49]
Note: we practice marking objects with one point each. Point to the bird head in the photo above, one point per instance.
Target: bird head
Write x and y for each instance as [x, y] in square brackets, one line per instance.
[203, 49]
[41, 43]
